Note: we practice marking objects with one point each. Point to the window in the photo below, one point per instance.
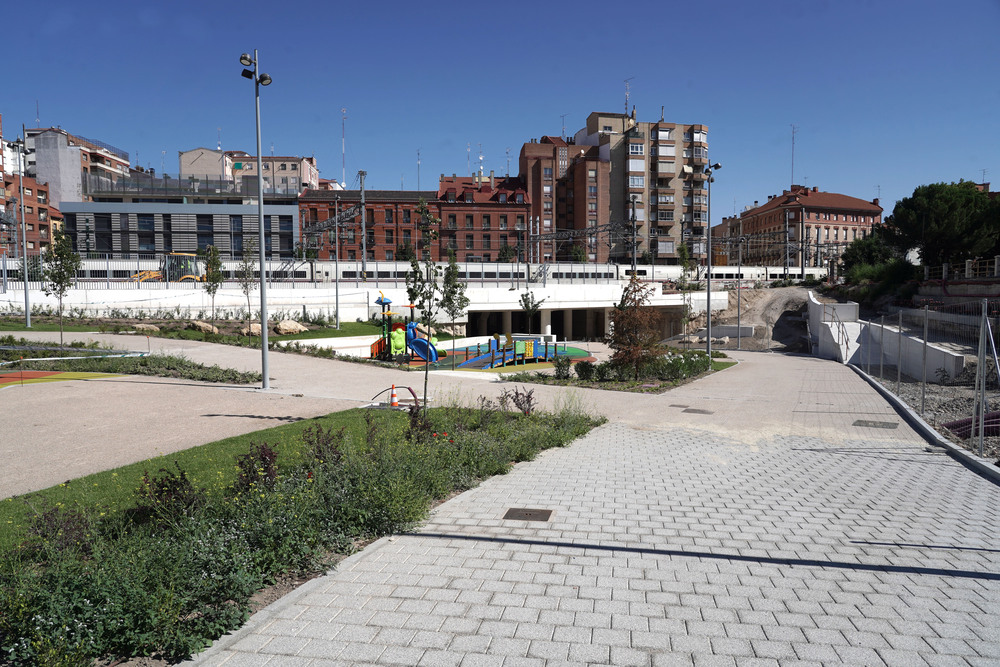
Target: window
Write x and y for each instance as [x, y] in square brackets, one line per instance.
[664, 199]
[665, 216]
[547, 173]
[468, 197]
[370, 216]
[204, 223]
[487, 242]
[606, 128]
[42, 197]
[636, 149]
[388, 217]
[43, 214]
[591, 190]
[503, 222]
[665, 134]
[668, 151]
[547, 189]
[469, 221]
[406, 217]
[349, 236]
[29, 209]
[451, 197]
[452, 224]
[592, 207]
[547, 206]
[701, 199]
[547, 222]
[592, 174]
[282, 167]
[469, 241]
[389, 239]
[27, 192]
[700, 135]
[520, 222]
[235, 224]
[388, 255]
[637, 181]
[502, 197]
[295, 167]
[519, 198]
[146, 223]
[486, 222]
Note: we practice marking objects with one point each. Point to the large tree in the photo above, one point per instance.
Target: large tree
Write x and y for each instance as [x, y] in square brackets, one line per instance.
[946, 222]
[874, 249]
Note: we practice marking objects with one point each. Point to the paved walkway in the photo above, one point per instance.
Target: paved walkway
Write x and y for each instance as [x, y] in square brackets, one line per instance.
[779, 513]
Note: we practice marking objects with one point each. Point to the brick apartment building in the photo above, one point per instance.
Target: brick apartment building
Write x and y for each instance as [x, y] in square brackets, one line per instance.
[479, 216]
[41, 218]
[65, 161]
[819, 226]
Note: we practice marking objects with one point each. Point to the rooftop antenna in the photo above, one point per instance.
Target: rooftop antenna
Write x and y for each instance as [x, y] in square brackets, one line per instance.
[984, 175]
[468, 157]
[661, 113]
[220, 138]
[563, 116]
[628, 87]
[163, 158]
[794, 130]
[343, 146]
[38, 122]
[272, 149]
[508, 161]
[480, 163]
[418, 169]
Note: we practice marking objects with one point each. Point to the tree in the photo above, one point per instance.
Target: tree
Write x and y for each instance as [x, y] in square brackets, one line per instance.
[422, 281]
[634, 333]
[453, 299]
[246, 275]
[945, 222]
[60, 266]
[213, 275]
[687, 263]
[404, 252]
[506, 254]
[578, 253]
[874, 249]
[530, 307]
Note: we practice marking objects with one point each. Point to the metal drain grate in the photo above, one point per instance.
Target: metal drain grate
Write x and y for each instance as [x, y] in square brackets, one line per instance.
[699, 411]
[526, 514]
[873, 424]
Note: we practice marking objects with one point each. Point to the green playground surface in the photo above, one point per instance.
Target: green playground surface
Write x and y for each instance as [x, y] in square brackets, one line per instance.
[8, 378]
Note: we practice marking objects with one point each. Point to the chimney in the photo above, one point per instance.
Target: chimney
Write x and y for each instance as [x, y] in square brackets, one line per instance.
[875, 201]
[815, 189]
[755, 203]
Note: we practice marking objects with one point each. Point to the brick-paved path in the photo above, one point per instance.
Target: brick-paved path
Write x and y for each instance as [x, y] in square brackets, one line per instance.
[745, 519]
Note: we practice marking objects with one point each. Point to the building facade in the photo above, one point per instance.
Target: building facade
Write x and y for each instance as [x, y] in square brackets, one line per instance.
[65, 161]
[282, 174]
[41, 218]
[818, 227]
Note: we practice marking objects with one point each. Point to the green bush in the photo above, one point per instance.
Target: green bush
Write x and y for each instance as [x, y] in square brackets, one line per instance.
[562, 365]
[584, 370]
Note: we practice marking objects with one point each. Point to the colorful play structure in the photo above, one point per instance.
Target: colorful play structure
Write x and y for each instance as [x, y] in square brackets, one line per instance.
[510, 352]
[398, 337]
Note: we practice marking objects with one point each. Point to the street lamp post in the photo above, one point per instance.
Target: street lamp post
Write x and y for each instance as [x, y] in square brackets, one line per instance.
[708, 280]
[259, 79]
[739, 296]
[20, 144]
[633, 236]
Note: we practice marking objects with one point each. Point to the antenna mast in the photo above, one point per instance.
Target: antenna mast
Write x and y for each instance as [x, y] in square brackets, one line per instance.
[627, 92]
[794, 130]
[468, 157]
[563, 116]
[418, 169]
[480, 163]
[508, 162]
[343, 146]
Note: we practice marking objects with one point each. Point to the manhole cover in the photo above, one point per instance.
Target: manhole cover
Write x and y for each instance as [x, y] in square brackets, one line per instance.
[873, 424]
[525, 514]
[677, 405]
[699, 411]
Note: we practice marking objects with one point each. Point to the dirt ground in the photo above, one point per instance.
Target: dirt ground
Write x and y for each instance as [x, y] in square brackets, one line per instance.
[777, 317]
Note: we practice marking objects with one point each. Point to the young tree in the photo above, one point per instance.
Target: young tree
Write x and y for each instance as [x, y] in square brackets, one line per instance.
[506, 254]
[530, 307]
[453, 299]
[213, 275]
[634, 334]
[687, 263]
[578, 253]
[59, 269]
[246, 274]
[422, 281]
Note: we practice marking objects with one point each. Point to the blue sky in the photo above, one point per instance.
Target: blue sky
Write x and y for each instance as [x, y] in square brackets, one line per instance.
[885, 95]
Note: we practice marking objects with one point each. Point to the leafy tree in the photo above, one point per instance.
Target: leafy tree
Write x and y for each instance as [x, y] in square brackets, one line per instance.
[422, 281]
[60, 266]
[578, 253]
[872, 250]
[246, 274]
[686, 261]
[453, 299]
[213, 275]
[946, 222]
[506, 254]
[405, 252]
[530, 307]
[634, 334]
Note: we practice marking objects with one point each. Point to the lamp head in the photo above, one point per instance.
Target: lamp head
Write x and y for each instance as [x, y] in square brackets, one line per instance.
[715, 166]
[247, 74]
[264, 80]
[246, 60]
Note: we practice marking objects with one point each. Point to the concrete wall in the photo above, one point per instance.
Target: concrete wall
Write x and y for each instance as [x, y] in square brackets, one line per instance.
[874, 340]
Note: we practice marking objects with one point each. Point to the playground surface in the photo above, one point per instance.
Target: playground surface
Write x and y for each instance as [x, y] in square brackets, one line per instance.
[19, 377]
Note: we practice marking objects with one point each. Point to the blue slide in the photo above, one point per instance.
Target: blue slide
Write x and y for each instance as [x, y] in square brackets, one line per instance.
[423, 349]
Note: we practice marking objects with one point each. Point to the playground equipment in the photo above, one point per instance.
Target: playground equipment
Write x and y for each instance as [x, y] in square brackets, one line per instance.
[397, 338]
[511, 351]
[176, 267]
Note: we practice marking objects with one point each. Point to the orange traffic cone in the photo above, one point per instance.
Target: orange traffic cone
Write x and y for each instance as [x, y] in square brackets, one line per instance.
[393, 399]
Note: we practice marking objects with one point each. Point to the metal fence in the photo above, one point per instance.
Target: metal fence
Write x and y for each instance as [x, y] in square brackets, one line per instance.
[942, 360]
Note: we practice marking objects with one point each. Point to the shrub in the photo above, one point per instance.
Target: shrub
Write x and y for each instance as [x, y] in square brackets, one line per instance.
[256, 467]
[562, 365]
[584, 370]
[603, 372]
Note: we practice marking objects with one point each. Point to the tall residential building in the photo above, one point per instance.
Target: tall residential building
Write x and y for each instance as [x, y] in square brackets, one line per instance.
[818, 225]
[613, 171]
[282, 174]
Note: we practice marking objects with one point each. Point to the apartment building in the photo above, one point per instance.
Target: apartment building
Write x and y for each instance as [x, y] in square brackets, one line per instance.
[65, 161]
[818, 226]
[282, 174]
[483, 219]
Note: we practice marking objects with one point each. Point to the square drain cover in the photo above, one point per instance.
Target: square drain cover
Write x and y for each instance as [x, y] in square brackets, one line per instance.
[699, 411]
[874, 424]
[525, 514]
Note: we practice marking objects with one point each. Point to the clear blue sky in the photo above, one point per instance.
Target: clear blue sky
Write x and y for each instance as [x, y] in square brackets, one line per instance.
[885, 95]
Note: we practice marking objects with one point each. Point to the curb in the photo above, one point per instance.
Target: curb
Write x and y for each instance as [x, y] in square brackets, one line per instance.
[982, 467]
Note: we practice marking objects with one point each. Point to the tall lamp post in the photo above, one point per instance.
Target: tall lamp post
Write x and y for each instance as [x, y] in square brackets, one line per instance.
[632, 198]
[20, 144]
[708, 280]
[259, 79]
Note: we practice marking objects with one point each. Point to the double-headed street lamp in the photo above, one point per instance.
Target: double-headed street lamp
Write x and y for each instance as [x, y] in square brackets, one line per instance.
[259, 79]
[708, 281]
